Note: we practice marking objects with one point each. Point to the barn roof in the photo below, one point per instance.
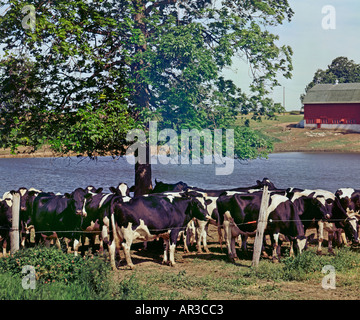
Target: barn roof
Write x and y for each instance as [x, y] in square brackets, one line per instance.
[333, 93]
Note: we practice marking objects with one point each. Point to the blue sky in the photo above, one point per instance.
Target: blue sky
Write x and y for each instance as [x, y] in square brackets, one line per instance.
[314, 47]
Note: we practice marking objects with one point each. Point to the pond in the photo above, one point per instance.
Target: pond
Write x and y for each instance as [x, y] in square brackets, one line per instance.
[328, 171]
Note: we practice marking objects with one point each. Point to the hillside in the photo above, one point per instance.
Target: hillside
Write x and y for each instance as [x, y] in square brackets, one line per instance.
[287, 138]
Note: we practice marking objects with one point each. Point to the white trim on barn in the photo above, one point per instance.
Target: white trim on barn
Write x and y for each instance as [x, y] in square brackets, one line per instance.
[348, 127]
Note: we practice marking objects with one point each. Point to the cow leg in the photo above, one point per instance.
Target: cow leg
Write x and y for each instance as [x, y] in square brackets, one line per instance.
[275, 241]
[330, 241]
[172, 254]
[126, 244]
[343, 238]
[320, 237]
[172, 242]
[233, 248]
[227, 236]
[76, 245]
[57, 243]
[244, 242]
[301, 243]
[291, 254]
[112, 251]
[205, 232]
[104, 237]
[166, 248]
[185, 235]
[82, 241]
[202, 236]
[4, 246]
[67, 244]
[220, 236]
[263, 250]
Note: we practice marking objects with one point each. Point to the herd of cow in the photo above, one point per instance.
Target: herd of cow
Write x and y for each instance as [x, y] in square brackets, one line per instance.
[171, 209]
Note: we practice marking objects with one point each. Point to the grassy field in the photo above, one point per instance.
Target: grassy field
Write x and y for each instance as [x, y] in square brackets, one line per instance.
[213, 277]
[287, 138]
[207, 276]
[282, 132]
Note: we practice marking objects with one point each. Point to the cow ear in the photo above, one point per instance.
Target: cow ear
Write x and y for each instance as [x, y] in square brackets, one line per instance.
[67, 195]
[113, 189]
[314, 201]
[32, 193]
[99, 190]
[132, 189]
[88, 196]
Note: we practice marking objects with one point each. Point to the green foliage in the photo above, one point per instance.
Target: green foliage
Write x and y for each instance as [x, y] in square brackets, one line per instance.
[305, 266]
[341, 69]
[94, 70]
[54, 266]
[131, 289]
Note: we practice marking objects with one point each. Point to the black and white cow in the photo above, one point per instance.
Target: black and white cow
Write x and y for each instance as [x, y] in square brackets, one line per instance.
[197, 229]
[5, 222]
[58, 215]
[97, 206]
[314, 207]
[239, 214]
[336, 218]
[161, 187]
[349, 200]
[27, 197]
[149, 217]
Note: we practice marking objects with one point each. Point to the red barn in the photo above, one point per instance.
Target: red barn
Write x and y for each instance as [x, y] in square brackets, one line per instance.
[333, 106]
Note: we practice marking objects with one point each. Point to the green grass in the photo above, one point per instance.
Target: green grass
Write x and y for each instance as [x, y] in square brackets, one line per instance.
[208, 277]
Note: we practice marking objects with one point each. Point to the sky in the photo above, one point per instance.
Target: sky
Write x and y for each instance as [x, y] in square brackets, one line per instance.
[314, 47]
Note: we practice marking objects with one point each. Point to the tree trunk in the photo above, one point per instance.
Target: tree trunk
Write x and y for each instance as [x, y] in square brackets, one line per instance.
[143, 183]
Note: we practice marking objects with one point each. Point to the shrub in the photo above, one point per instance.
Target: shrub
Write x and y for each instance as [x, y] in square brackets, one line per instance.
[90, 275]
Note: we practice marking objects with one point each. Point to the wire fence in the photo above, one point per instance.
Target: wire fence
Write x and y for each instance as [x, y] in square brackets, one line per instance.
[170, 228]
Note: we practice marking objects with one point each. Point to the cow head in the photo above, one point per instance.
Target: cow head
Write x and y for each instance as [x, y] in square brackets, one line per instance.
[122, 190]
[345, 219]
[6, 213]
[161, 186]
[265, 182]
[92, 189]
[78, 200]
[198, 208]
[323, 207]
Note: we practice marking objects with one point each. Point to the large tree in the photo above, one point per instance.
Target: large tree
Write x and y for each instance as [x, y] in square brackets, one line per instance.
[341, 70]
[99, 68]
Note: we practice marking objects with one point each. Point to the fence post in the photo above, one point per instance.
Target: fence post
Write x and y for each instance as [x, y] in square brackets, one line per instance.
[14, 233]
[261, 225]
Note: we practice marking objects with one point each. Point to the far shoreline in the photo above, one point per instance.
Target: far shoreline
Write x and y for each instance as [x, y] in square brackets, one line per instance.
[6, 154]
